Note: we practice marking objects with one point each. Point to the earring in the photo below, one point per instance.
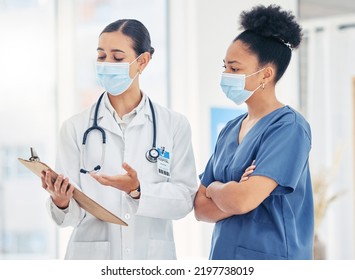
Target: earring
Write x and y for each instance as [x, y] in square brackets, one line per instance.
[263, 85]
[140, 71]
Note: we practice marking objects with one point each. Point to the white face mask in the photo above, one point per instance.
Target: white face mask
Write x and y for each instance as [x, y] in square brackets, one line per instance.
[233, 85]
[114, 77]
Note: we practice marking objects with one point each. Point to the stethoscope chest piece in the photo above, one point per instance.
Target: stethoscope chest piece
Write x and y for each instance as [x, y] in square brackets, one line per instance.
[152, 155]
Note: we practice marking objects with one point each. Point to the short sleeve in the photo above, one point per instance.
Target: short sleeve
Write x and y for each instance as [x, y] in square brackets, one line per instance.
[207, 176]
[283, 155]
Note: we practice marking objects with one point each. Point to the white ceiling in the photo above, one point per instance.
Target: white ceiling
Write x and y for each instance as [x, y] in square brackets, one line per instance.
[322, 8]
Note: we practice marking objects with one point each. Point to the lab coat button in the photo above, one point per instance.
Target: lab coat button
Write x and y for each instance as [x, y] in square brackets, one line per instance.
[127, 251]
[127, 216]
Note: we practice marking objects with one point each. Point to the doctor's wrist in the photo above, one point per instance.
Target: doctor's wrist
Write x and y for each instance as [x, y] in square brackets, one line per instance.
[136, 193]
[61, 204]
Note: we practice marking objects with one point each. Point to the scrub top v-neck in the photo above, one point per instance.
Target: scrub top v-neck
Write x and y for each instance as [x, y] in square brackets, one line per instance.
[281, 227]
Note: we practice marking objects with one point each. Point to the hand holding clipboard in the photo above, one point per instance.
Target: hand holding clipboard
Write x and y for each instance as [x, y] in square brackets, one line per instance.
[37, 167]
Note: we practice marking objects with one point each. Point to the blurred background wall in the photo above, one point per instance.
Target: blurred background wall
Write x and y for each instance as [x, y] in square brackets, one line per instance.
[48, 52]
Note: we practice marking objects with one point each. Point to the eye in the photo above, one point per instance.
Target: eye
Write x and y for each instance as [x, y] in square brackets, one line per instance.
[230, 69]
[118, 59]
[101, 55]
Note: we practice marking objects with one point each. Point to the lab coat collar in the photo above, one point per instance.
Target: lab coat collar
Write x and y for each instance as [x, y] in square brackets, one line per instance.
[107, 121]
[129, 115]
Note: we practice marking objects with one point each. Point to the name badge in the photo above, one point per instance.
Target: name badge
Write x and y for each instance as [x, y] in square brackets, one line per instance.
[163, 163]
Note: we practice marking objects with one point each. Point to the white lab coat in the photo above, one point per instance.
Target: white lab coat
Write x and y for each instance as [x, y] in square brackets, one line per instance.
[149, 234]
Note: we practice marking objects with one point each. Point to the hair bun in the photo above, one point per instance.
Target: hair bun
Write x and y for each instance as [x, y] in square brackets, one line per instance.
[152, 50]
[271, 21]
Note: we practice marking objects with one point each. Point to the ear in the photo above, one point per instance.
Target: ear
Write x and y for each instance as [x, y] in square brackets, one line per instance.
[269, 74]
[143, 61]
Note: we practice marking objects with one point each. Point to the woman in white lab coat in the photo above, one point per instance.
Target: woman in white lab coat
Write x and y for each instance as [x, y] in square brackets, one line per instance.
[146, 194]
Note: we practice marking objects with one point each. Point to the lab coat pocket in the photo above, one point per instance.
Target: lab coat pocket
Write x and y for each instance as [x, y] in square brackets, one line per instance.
[161, 250]
[88, 251]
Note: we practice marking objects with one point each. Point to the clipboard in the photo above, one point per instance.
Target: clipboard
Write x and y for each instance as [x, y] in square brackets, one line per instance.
[85, 202]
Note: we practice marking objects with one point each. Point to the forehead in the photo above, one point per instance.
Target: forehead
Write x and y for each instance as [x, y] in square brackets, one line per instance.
[115, 40]
[239, 51]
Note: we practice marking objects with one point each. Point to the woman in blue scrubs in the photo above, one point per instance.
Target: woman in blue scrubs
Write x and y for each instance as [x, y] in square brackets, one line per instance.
[267, 213]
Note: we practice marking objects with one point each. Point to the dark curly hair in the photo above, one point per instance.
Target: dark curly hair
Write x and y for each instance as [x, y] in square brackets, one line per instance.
[271, 34]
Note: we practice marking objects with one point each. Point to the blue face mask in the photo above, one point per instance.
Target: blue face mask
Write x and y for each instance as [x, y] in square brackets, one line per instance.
[114, 77]
[233, 85]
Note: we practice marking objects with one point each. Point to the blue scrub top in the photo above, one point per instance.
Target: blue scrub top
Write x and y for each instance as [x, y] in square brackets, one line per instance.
[281, 227]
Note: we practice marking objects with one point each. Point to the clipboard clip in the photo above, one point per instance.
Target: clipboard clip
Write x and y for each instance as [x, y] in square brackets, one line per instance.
[34, 156]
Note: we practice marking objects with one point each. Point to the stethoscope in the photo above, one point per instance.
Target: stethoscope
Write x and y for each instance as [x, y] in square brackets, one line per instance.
[151, 155]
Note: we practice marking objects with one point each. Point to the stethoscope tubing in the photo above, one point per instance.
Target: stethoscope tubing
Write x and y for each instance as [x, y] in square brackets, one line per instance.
[151, 155]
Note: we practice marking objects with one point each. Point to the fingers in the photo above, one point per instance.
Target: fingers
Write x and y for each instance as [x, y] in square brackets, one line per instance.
[244, 178]
[48, 181]
[131, 172]
[64, 186]
[126, 182]
[70, 191]
[43, 180]
[102, 179]
[60, 186]
[246, 174]
[248, 171]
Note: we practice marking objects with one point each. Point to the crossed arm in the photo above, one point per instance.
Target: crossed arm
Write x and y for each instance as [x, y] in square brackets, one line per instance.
[222, 200]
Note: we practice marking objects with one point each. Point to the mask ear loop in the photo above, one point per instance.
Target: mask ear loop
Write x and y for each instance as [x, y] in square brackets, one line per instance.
[139, 71]
[255, 73]
[136, 58]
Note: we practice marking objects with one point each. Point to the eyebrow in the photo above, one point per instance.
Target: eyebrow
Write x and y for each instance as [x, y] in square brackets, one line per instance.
[231, 61]
[113, 50]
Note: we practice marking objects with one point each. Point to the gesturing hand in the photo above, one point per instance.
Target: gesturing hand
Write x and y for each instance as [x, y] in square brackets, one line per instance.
[126, 182]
